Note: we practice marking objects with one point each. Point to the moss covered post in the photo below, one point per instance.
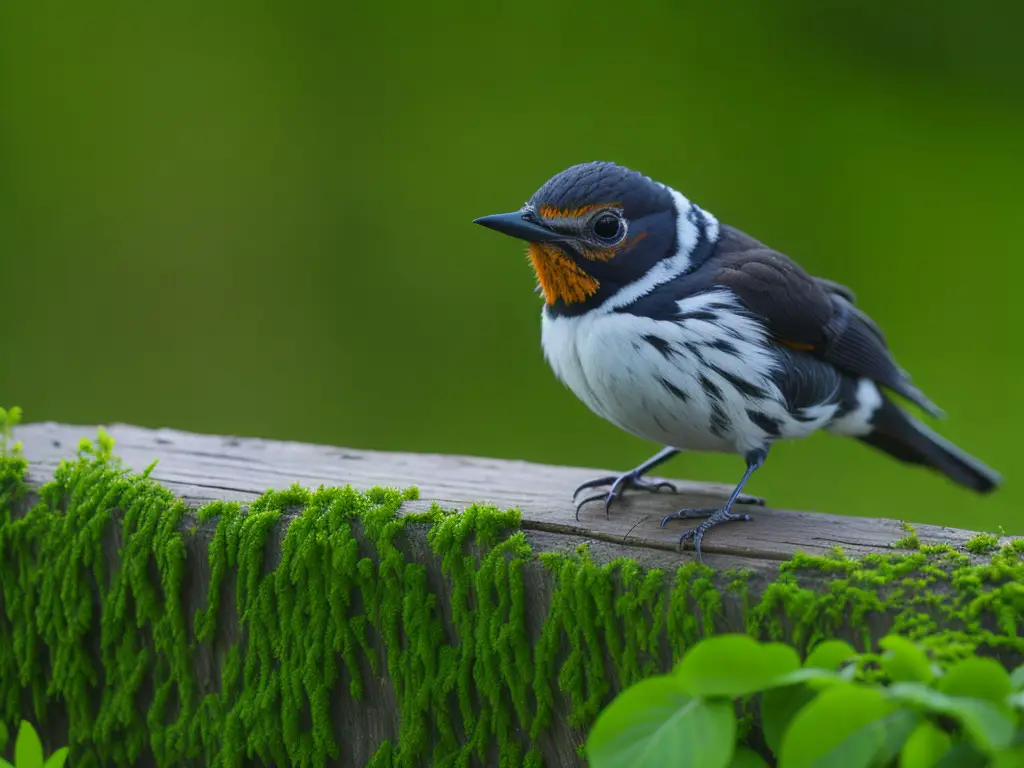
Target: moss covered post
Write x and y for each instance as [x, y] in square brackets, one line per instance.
[159, 606]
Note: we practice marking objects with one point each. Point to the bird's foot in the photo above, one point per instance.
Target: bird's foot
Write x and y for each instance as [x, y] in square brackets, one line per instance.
[714, 517]
[619, 483]
[633, 479]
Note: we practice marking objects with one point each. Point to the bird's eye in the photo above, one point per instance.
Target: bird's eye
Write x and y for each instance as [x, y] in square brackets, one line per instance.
[608, 227]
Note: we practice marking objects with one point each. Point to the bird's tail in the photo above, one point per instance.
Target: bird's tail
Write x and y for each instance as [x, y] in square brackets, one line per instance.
[902, 436]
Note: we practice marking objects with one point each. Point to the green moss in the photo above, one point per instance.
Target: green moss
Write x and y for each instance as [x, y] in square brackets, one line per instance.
[1016, 546]
[327, 604]
[910, 541]
[982, 544]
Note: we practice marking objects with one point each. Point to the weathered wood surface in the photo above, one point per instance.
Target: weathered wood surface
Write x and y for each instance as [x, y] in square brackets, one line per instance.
[201, 468]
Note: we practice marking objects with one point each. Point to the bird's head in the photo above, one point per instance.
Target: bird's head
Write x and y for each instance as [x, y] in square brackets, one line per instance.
[596, 230]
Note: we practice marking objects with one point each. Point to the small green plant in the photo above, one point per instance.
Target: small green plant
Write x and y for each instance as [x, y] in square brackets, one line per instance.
[837, 708]
[9, 419]
[982, 544]
[28, 751]
[910, 541]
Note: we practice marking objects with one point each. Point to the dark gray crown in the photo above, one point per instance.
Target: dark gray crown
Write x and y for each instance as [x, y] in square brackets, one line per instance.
[602, 182]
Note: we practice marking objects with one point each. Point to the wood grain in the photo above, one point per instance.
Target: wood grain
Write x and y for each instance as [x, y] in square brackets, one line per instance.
[203, 467]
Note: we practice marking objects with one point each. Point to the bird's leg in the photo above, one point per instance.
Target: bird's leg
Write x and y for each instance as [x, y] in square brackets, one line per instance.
[715, 516]
[631, 479]
[634, 479]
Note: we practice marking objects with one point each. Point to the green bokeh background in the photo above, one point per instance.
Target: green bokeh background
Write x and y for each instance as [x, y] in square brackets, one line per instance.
[255, 219]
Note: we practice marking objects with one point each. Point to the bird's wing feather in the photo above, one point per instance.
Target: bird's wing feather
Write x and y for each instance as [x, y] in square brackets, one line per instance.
[808, 313]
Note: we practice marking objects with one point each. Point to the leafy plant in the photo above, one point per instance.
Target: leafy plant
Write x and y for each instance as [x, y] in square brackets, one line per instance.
[28, 751]
[826, 711]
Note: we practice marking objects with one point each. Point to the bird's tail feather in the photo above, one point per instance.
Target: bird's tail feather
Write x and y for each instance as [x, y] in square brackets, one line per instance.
[902, 436]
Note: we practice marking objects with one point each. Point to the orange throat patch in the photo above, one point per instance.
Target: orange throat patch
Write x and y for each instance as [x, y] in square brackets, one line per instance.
[559, 276]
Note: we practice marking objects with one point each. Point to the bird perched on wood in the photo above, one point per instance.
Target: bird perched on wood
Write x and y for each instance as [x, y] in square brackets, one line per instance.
[689, 333]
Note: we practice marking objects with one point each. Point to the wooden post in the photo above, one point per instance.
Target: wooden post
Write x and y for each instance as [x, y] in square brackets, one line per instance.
[777, 576]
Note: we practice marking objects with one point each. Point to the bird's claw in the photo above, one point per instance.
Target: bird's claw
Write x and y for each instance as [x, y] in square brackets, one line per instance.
[619, 483]
[628, 479]
[714, 517]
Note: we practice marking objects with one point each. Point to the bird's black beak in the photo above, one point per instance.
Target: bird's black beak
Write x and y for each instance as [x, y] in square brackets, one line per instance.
[519, 224]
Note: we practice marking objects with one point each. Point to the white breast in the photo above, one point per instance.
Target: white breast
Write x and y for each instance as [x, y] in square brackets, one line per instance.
[617, 364]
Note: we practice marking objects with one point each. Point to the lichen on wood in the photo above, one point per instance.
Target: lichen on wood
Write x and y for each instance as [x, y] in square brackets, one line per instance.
[310, 595]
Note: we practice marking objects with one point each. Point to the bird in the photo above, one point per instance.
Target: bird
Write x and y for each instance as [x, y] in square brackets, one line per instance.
[691, 334]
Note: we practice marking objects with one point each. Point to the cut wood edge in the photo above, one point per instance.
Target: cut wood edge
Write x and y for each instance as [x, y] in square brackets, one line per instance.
[203, 468]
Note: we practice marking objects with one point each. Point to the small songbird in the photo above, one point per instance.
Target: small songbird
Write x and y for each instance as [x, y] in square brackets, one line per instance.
[691, 334]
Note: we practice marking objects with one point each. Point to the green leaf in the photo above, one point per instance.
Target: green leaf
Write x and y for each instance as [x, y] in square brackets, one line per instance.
[56, 760]
[747, 758]
[655, 723]
[28, 750]
[1009, 758]
[816, 678]
[1017, 678]
[987, 724]
[904, 660]
[963, 755]
[830, 654]
[841, 727]
[789, 693]
[990, 727]
[734, 665]
[5, 764]
[897, 728]
[778, 708]
[977, 677]
[925, 746]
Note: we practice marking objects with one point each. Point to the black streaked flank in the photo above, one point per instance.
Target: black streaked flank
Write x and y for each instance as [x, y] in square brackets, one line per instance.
[710, 387]
[719, 421]
[765, 422]
[650, 410]
[742, 385]
[724, 346]
[733, 332]
[659, 344]
[673, 389]
[694, 349]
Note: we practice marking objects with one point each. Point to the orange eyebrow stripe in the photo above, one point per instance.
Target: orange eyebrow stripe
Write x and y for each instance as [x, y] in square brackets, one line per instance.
[550, 212]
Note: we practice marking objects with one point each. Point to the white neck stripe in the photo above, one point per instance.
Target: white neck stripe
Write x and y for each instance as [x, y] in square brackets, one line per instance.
[687, 237]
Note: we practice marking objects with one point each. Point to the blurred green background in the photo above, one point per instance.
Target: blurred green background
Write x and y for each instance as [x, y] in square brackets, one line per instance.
[255, 219]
